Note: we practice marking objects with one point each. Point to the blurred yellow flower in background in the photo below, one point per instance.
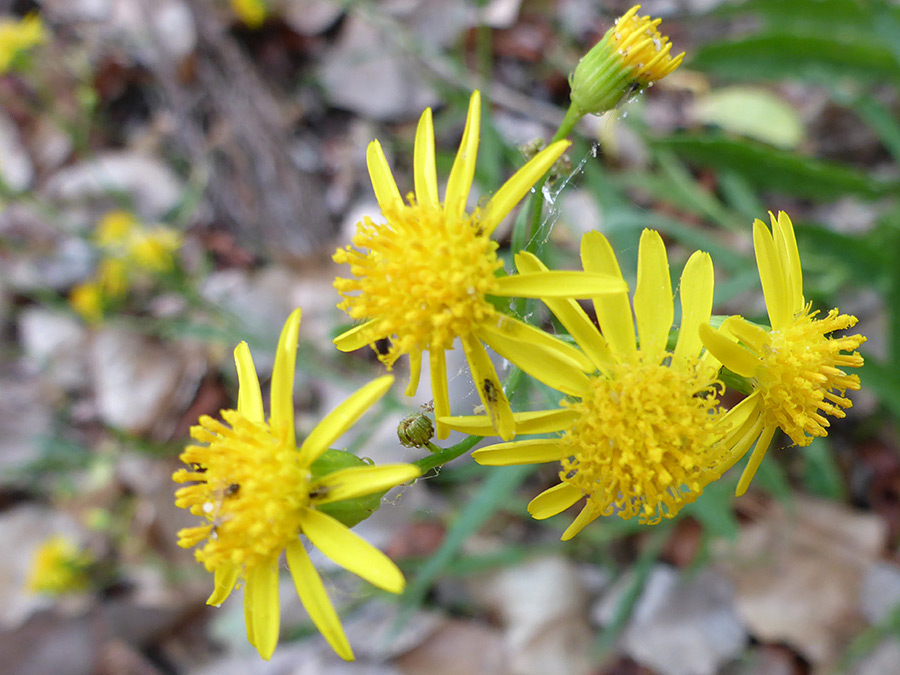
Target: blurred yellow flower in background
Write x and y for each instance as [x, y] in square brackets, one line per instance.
[129, 250]
[18, 36]
[251, 12]
[59, 566]
[795, 367]
[257, 492]
[644, 437]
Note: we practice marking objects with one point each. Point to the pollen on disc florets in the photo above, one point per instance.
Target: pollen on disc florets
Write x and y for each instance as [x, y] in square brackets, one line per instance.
[646, 440]
[801, 380]
[423, 274]
[248, 486]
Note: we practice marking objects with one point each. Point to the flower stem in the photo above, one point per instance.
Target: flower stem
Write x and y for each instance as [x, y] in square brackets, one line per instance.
[441, 456]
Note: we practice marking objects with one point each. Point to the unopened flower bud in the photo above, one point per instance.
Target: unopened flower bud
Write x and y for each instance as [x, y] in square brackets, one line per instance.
[414, 431]
[631, 55]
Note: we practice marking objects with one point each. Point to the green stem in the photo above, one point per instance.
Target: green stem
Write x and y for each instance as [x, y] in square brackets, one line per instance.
[441, 456]
[523, 235]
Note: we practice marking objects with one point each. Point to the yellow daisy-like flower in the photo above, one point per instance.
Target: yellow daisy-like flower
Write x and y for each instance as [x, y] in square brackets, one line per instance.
[632, 54]
[18, 36]
[257, 492]
[59, 566]
[424, 278]
[643, 436]
[796, 367]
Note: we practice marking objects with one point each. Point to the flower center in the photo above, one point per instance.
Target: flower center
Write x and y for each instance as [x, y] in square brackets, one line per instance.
[423, 274]
[248, 486]
[801, 379]
[645, 441]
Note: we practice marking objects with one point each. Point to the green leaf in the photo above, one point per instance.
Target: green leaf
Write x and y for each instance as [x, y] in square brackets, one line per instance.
[350, 511]
[774, 169]
[820, 473]
[496, 490]
[752, 112]
[817, 58]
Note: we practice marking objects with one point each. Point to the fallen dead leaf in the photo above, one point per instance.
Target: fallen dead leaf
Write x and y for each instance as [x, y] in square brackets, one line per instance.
[798, 574]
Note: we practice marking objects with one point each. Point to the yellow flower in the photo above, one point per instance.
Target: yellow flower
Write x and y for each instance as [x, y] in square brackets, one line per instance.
[643, 437]
[113, 278]
[257, 492]
[87, 300]
[424, 278]
[115, 228]
[631, 55]
[251, 12]
[18, 36]
[59, 566]
[151, 248]
[796, 367]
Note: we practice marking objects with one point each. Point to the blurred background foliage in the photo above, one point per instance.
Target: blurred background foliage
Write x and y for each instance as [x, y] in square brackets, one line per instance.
[250, 142]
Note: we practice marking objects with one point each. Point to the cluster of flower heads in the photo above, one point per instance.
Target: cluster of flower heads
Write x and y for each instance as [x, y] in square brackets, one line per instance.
[641, 429]
[130, 252]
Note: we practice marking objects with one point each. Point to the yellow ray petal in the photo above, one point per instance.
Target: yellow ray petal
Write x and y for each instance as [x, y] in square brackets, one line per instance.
[734, 357]
[356, 337]
[438, 365]
[558, 284]
[262, 613]
[282, 387]
[535, 422]
[505, 199]
[554, 501]
[745, 422]
[539, 354]
[415, 373]
[572, 316]
[226, 577]
[696, 293]
[425, 173]
[250, 403]
[460, 181]
[588, 515]
[532, 451]
[490, 391]
[386, 192]
[786, 245]
[613, 311]
[335, 423]
[762, 445]
[654, 310]
[754, 337]
[351, 551]
[772, 277]
[314, 598]
[361, 480]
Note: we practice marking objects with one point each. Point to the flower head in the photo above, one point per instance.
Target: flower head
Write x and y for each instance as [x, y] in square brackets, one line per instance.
[59, 566]
[632, 54]
[424, 278]
[643, 436]
[258, 492]
[17, 37]
[796, 367]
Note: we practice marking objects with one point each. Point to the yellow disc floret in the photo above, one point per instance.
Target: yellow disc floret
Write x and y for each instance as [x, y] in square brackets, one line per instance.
[250, 487]
[800, 378]
[645, 442]
[422, 275]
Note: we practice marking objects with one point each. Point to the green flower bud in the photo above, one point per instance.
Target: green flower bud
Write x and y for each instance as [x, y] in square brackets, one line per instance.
[414, 431]
[630, 56]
